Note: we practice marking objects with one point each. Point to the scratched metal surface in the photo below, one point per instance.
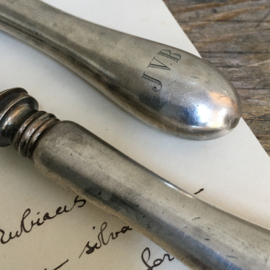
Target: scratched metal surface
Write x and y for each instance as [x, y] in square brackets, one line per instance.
[234, 35]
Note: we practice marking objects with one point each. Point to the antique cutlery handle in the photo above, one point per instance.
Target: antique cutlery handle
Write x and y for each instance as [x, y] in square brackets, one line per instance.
[168, 88]
[197, 233]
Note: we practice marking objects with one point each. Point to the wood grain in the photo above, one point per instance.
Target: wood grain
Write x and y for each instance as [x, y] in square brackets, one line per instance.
[234, 35]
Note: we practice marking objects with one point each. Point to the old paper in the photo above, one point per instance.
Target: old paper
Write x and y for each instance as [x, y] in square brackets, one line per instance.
[36, 233]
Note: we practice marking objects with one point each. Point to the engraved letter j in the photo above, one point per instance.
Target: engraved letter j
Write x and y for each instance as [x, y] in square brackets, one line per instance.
[158, 83]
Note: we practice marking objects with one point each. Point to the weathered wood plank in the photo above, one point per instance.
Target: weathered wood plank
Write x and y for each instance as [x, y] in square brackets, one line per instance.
[234, 35]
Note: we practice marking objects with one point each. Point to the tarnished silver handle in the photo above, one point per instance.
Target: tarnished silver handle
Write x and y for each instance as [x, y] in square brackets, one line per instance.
[164, 86]
[196, 233]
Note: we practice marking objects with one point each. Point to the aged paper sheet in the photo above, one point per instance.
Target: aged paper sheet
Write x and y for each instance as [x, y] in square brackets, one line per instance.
[43, 226]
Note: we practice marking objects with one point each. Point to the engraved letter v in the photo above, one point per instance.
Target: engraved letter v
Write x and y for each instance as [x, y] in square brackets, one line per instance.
[157, 64]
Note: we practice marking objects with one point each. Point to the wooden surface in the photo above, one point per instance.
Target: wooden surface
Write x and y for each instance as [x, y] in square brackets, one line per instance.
[234, 35]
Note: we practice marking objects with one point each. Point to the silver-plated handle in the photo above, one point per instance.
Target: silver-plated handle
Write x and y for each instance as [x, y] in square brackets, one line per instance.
[166, 87]
[199, 234]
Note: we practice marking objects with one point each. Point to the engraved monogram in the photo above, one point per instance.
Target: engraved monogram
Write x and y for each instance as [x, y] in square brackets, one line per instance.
[157, 63]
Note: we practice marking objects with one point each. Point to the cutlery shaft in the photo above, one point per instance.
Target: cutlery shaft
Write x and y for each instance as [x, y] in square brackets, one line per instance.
[200, 235]
[165, 87]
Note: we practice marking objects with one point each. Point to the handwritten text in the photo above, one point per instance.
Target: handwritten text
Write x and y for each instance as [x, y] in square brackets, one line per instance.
[146, 255]
[27, 224]
[88, 249]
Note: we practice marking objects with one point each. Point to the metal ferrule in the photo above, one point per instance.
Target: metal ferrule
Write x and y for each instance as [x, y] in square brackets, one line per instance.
[20, 121]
